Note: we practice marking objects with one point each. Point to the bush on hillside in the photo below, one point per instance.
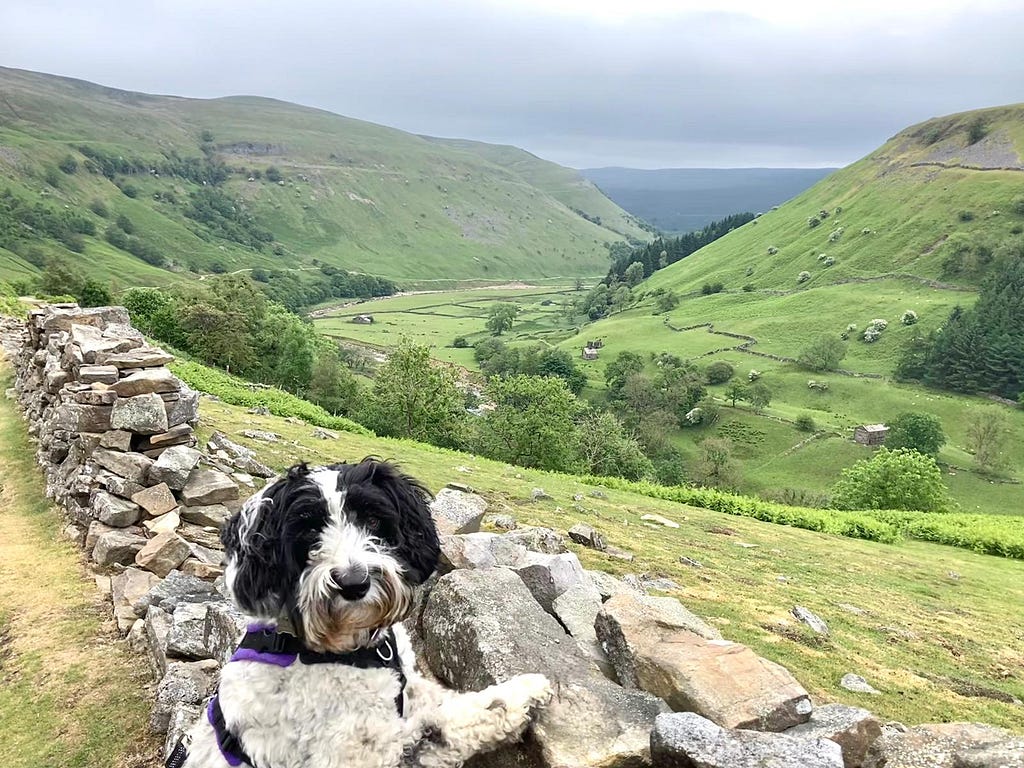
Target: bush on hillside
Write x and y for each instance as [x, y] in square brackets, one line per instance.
[68, 164]
[460, 342]
[718, 372]
[909, 317]
[823, 354]
[899, 479]
[709, 288]
[805, 423]
[803, 277]
[977, 129]
[98, 207]
[965, 216]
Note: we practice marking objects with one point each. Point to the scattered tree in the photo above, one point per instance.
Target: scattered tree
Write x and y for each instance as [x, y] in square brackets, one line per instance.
[921, 432]
[500, 317]
[634, 274]
[68, 164]
[900, 479]
[986, 436]
[607, 449]
[719, 372]
[715, 466]
[414, 398]
[805, 423]
[735, 391]
[532, 424]
[759, 396]
[667, 301]
[823, 354]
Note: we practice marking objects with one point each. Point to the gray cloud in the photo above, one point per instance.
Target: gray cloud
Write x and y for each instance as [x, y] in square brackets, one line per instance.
[700, 89]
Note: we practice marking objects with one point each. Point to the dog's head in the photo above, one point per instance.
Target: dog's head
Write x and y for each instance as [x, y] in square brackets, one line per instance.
[337, 551]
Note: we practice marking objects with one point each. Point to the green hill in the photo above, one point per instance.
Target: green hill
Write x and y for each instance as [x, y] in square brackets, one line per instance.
[912, 226]
[339, 191]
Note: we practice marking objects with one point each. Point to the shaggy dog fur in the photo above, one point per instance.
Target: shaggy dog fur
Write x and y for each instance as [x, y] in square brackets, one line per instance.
[333, 555]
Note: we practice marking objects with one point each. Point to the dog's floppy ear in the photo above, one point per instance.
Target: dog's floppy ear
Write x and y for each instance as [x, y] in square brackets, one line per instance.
[257, 545]
[418, 546]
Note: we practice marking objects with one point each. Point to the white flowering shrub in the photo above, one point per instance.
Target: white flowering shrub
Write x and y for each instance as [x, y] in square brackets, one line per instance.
[872, 334]
[909, 317]
[879, 323]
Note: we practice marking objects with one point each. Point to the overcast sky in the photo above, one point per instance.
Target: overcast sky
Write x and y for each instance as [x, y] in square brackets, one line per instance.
[641, 83]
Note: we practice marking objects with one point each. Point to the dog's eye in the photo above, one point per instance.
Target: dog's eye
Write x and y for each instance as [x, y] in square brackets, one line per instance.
[372, 523]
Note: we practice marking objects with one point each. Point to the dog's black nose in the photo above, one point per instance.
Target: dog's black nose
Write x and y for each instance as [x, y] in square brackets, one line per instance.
[353, 584]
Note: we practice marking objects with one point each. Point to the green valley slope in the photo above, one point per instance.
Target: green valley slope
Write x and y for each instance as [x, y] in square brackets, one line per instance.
[903, 214]
[352, 194]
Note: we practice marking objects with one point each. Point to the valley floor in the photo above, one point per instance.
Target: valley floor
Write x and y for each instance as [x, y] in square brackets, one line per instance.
[70, 693]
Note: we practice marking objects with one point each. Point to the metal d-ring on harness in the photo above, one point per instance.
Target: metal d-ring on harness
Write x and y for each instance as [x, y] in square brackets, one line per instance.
[265, 645]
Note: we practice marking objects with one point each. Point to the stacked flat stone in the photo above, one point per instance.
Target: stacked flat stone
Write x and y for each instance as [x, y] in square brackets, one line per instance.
[116, 440]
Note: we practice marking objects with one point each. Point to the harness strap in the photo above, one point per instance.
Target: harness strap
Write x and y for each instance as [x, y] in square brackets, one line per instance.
[229, 744]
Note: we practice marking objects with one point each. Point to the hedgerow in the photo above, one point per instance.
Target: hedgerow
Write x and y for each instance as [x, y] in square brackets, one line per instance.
[1000, 535]
[235, 391]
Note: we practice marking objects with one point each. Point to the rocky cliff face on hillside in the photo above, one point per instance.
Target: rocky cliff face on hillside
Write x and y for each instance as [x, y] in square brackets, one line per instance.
[639, 680]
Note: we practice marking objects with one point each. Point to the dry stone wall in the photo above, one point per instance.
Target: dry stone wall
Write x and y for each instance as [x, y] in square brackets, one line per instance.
[639, 679]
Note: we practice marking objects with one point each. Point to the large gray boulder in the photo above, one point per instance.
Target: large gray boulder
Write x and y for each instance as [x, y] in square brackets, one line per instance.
[482, 627]
[208, 486]
[183, 682]
[207, 516]
[187, 637]
[548, 576]
[113, 511]
[117, 546]
[678, 658]
[940, 745]
[133, 467]
[458, 511]
[143, 414]
[157, 500]
[687, 740]
[852, 728]
[162, 554]
[576, 609]
[479, 550]
[156, 380]
[177, 587]
[174, 466]
[223, 629]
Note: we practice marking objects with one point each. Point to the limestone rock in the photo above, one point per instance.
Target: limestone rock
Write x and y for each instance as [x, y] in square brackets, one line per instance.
[174, 466]
[817, 625]
[659, 520]
[156, 500]
[725, 682]
[118, 439]
[178, 435]
[162, 554]
[126, 588]
[186, 638]
[177, 587]
[204, 536]
[158, 624]
[1007, 754]
[117, 546]
[588, 536]
[142, 357]
[133, 467]
[208, 486]
[852, 728]
[223, 630]
[463, 510]
[184, 409]
[241, 457]
[183, 682]
[687, 740]
[82, 418]
[142, 414]
[152, 380]
[483, 627]
[576, 609]
[210, 515]
[262, 435]
[166, 523]
[942, 745]
[479, 550]
[325, 434]
[857, 684]
[115, 512]
[609, 586]
[104, 374]
[548, 576]
[536, 539]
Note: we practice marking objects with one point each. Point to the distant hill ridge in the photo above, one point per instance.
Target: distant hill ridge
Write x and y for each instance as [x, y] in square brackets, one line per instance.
[302, 185]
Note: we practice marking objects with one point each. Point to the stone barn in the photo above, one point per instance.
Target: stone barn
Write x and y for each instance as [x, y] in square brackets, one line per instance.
[870, 434]
[589, 353]
[363, 319]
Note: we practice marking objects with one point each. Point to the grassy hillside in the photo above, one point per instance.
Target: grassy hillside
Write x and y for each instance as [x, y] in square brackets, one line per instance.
[686, 199]
[934, 628]
[893, 221]
[351, 194]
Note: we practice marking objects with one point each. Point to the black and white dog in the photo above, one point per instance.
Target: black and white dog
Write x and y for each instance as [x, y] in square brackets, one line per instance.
[326, 560]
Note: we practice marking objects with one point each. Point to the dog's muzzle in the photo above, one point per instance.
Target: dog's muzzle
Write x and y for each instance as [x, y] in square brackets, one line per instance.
[351, 583]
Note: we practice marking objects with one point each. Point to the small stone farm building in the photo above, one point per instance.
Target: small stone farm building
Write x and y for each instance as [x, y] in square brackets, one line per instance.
[870, 434]
[363, 319]
[589, 353]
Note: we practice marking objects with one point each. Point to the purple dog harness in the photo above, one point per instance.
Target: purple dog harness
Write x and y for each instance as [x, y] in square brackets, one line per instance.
[263, 644]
